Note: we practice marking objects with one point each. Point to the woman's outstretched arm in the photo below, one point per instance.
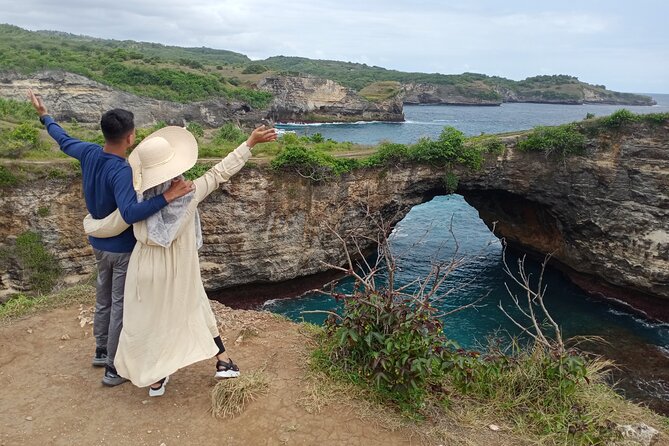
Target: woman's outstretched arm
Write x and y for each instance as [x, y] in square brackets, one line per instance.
[231, 164]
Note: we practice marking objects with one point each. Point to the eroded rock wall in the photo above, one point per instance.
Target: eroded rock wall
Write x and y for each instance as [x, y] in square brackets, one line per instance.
[312, 99]
[604, 215]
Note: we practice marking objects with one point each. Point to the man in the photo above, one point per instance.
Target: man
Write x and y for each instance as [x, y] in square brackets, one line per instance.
[107, 184]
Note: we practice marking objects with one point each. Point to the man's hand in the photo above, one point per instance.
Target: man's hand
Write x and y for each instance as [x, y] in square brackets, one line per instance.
[37, 103]
[260, 135]
[179, 188]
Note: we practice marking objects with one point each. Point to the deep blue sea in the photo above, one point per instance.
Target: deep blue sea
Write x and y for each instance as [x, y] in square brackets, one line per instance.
[640, 347]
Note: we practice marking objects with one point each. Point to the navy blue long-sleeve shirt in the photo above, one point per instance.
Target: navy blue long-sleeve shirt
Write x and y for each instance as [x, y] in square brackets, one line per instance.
[107, 181]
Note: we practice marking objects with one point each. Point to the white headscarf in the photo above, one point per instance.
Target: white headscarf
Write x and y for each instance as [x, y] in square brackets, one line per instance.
[164, 224]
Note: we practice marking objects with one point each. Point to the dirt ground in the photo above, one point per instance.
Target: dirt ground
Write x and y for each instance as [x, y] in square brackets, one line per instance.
[50, 393]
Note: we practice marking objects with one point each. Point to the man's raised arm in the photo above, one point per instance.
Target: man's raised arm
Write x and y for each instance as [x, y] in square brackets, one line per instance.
[71, 146]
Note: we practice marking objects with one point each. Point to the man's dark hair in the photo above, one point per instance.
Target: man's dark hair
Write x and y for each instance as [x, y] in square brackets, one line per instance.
[116, 124]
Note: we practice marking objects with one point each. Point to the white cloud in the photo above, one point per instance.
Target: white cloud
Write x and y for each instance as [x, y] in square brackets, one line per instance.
[515, 39]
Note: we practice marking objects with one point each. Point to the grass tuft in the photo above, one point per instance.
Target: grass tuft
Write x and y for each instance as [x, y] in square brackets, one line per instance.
[22, 305]
[230, 396]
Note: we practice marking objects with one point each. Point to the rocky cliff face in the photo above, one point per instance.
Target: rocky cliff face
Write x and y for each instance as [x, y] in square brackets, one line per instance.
[262, 227]
[70, 96]
[417, 93]
[312, 99]
[305, 99]
[605, 216]
[571, 94]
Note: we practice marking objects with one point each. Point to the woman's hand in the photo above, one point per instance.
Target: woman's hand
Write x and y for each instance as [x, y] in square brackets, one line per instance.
[261, 134]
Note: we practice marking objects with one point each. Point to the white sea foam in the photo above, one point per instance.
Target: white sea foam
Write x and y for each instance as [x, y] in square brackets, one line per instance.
[318, 124]
[646, 323]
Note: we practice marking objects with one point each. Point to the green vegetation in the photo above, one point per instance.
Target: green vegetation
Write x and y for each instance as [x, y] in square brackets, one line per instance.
[197, 170]
[20, 140]
[392, 344]
[552, 88]
[624, 118]
[317, 164]
[313, 164]
[16, 111]
[188, 74]
[7, 177]
[196, 129]
[39, 265]
[381, 91]
[618, 119]
[230, 133]
[451, 182]
[22, 305]
[563, 140]
[255, 69]
[162, 72]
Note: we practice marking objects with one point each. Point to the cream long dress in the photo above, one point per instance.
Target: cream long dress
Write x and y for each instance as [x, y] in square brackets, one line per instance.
[167, 320]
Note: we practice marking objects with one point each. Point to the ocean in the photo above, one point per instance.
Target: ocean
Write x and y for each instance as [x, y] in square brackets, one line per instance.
[429, 120]
[640, 347]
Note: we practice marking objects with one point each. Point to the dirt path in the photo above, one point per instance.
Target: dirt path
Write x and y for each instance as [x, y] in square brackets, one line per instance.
[52, 395]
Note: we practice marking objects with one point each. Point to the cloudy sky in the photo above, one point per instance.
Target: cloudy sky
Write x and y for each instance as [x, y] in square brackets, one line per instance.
[622, 44]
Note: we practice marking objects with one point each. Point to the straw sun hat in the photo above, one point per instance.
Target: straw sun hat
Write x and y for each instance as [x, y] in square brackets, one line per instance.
[161, 156]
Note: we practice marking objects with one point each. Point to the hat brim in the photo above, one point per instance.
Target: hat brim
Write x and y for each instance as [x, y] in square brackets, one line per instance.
[185, 157]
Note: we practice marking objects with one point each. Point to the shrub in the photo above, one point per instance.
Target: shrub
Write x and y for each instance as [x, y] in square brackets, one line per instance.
[449, 148]
[655, 118]
[7, 177]
[395, 345]
[386, 153]
[16, 111]
[197, 171]
[451, 182]
[491, 144]
[196, 129]
[317, 138]
[40, 265]
[619, 119]
[255, 69]
[312, 164]
[563, 140]
[230, 133]
[20, 140]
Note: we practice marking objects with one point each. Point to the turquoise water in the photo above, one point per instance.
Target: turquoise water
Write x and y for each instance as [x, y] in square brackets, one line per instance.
[423, 236]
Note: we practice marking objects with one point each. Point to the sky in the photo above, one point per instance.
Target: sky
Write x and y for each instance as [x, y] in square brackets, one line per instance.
[621, 44]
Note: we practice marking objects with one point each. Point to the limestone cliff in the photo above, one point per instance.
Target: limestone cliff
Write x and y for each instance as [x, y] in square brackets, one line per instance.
[313, 99]
[71, 96]
[573, 92]
[471, 94]
[605, 215]
[570, 92]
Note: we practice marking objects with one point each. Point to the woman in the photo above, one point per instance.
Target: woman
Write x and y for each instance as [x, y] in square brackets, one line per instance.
[167, 320]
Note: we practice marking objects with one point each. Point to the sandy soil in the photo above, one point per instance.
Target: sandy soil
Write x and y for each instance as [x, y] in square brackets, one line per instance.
[50, 394]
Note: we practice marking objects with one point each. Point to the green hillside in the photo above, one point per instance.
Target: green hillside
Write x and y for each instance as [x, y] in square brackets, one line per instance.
[146, 69]
[533, 89]
[190, 74]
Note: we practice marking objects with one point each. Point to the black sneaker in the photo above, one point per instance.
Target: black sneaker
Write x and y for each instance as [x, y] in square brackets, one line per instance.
[112, 378]
[100, 358]
[226, 369]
